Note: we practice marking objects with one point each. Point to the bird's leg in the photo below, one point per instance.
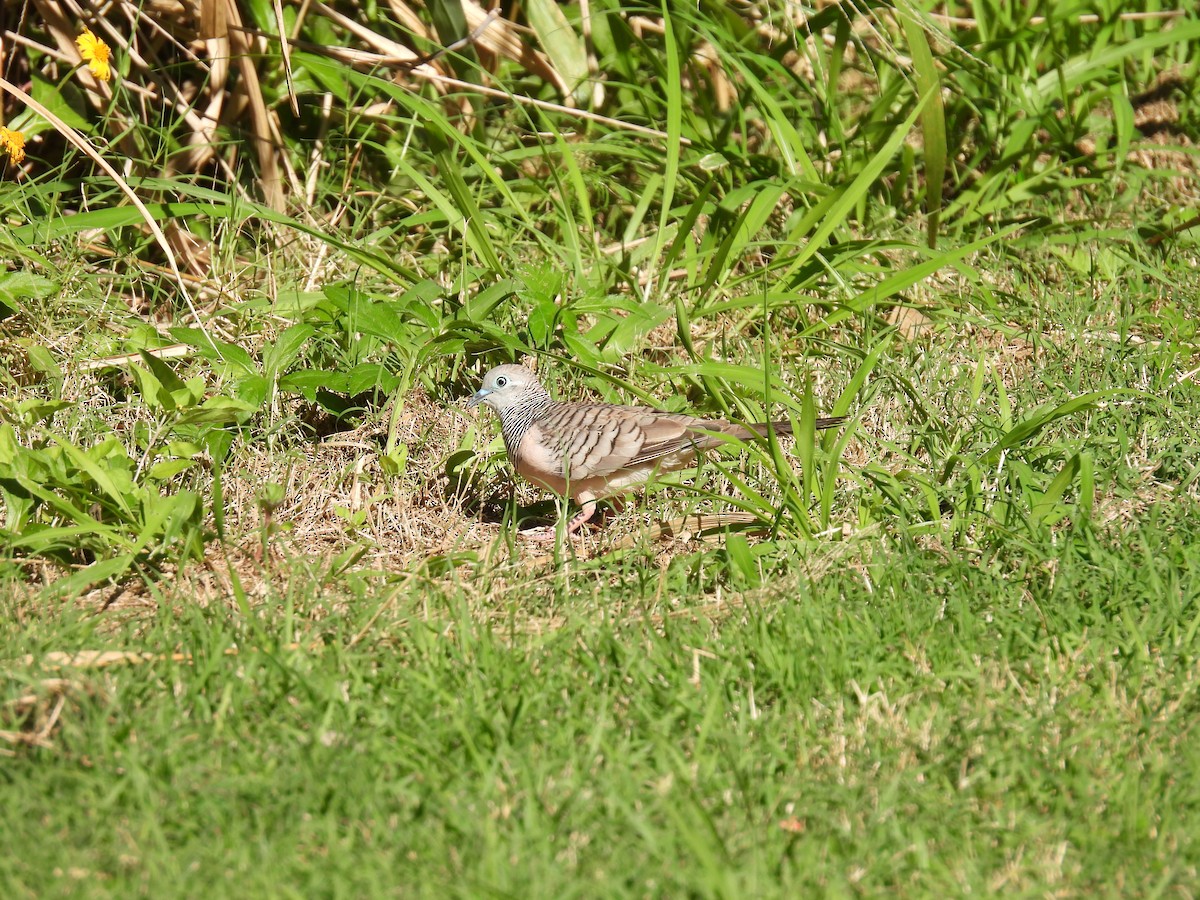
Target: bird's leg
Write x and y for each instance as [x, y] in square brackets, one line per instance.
[589, 510]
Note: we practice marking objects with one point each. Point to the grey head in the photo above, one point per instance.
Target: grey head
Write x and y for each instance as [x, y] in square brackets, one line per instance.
[509, 387]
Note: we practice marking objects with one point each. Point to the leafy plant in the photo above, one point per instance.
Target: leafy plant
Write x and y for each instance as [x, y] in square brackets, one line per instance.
[97, 508]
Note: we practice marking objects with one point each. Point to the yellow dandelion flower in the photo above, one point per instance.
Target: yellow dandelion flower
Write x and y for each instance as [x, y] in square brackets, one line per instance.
[95, 53]
[12, 142]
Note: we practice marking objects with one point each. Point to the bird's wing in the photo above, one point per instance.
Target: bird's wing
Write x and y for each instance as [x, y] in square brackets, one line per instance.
[595, 440]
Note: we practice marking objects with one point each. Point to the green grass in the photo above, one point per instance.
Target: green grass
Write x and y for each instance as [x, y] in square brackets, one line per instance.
[954, 652]
[925, 721]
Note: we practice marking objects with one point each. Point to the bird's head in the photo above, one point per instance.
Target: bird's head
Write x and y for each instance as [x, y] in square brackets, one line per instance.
[506, 386]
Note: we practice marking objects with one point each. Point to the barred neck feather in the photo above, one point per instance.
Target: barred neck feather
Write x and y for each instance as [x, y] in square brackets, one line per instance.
[515, 420]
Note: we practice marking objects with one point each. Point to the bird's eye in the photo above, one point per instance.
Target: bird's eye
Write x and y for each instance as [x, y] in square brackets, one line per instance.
[501, 381]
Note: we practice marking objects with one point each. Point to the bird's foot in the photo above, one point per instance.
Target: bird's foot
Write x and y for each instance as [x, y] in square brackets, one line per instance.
[545, 534]
[542, 534]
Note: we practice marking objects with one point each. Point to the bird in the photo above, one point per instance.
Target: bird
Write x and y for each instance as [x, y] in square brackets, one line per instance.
[590, 451]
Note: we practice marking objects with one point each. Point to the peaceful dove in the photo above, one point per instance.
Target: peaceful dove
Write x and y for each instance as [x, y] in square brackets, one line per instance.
[594, 450]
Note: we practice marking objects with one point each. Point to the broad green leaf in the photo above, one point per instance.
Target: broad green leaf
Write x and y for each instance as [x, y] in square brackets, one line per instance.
[23, 285]
[933, 119]
[564, 47]
[79, 582]
[282, 352]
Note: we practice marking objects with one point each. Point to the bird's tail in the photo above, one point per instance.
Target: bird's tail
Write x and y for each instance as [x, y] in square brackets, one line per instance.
[706, 435]
[784, 426]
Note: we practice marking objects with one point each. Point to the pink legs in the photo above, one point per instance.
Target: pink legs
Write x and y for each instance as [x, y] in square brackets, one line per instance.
[545, 533]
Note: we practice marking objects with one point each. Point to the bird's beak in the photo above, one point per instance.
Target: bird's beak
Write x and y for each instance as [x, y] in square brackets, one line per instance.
[477, 397]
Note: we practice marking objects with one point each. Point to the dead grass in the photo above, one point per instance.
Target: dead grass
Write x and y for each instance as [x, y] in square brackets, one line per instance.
[337, 497]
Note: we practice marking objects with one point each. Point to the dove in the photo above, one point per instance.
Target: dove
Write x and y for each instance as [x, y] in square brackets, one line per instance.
[590, 451]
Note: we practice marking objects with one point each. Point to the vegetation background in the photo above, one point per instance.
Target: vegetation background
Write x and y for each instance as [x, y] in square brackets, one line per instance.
[267, 629]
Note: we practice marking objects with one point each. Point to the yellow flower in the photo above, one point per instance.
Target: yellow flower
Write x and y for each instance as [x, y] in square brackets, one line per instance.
[12, 142]
[95, 53]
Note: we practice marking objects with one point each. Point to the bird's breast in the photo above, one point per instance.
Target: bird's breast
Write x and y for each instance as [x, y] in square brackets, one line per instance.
[535, 460]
